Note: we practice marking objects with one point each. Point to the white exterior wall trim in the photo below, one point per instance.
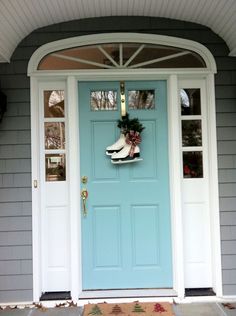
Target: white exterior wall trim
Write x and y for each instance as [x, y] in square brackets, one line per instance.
[36, 220]
[74, 184]
[175, 186]
[119, 38]
[72, 78]
[213, 187]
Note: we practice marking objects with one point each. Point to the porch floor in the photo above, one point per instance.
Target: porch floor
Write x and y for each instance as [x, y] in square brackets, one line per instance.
[187, 309]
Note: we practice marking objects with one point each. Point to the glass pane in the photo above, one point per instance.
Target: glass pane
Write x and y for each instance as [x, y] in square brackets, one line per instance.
[54, 103]
[191, 133]
[55, 165]
[113, 51]
[152, 52]
[190, 101]
[141, 99]
[94, 57]
[54, 135]
[155, 52]
[192, 164]
[186, 61]
[129, 52]
[103, 100]
[72, 59]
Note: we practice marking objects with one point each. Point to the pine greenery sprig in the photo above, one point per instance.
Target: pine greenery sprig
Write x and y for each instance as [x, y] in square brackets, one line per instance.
[126, 124]
[136, 126]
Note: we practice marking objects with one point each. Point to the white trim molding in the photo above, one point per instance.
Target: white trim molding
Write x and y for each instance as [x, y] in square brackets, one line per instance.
[119, 38]
[175, 185]
[213, 187]
[74, 184]
[70, 80]
[35, 167]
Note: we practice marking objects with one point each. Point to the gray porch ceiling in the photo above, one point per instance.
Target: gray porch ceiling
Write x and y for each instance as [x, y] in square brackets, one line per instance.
[18, 18]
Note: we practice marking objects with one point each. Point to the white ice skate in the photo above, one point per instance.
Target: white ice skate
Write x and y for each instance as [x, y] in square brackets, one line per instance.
[117, 146]
[123, 156]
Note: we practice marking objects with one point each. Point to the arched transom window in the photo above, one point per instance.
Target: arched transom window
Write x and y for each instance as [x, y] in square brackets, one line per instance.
[121, 55]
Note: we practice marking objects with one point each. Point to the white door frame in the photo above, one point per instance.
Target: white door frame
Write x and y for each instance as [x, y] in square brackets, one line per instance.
[172, 76]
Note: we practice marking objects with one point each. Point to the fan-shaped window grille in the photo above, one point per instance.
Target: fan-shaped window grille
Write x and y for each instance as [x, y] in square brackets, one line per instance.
[121, 55]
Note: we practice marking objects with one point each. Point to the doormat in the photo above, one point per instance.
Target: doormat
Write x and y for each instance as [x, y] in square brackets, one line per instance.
[128, 309]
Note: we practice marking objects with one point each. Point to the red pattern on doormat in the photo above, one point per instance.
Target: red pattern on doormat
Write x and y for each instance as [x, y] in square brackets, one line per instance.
[158, 308]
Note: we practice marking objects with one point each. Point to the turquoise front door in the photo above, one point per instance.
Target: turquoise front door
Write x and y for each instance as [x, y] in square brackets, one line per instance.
[126, 234]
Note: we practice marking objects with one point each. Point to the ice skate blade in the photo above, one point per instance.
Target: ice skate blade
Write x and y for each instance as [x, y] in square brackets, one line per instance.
[121, 162]
[114, 152]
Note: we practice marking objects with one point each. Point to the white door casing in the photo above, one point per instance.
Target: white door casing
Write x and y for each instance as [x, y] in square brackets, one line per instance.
[69, 80]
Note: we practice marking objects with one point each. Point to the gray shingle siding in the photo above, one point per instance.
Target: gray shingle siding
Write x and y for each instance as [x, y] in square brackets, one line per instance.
[226, 135]
[15, 186]
[15, 183]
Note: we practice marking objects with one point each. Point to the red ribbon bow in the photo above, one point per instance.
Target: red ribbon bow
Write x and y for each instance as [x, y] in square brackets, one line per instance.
[133, 138]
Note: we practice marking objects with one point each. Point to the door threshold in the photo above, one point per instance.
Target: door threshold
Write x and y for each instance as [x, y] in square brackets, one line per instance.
[126, 293]
[199, 292]
[55, 296]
